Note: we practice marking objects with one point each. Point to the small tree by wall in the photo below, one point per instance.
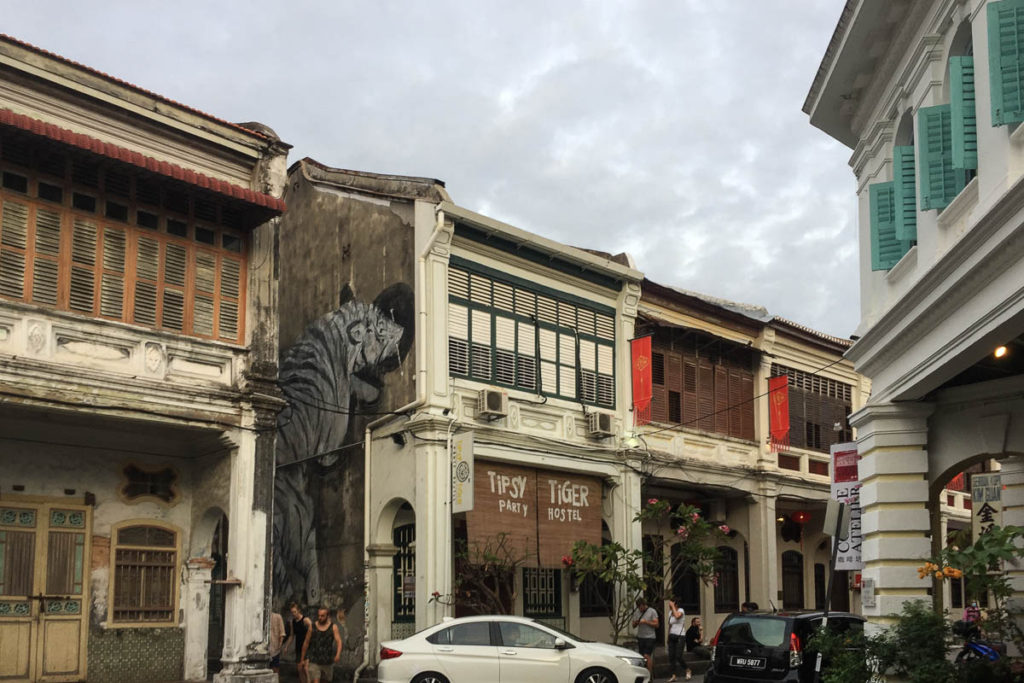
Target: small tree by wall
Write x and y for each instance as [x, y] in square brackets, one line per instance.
[484, 581]
[634, 573]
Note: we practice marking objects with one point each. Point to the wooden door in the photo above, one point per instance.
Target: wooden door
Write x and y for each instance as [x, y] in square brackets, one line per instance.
[44, 550]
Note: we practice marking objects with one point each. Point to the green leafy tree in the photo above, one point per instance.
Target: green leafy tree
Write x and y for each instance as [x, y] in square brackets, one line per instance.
[633, 573]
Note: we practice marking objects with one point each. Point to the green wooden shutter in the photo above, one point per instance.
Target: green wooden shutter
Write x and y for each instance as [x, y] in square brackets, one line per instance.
[886, 250]
[940, 182]
[904, 196]
[964, 123]
[1006, 60]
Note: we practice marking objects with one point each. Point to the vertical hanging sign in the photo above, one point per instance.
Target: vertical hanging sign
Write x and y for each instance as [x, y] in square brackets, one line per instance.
[462, 472]
[642, 387]
[846, 489]
[986, 503]
[778, 412]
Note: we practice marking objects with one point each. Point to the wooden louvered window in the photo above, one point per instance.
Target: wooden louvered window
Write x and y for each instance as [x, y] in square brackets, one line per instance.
[84, 253]
[509, 333]
[144, 575]
[695, 391]
[816, 405]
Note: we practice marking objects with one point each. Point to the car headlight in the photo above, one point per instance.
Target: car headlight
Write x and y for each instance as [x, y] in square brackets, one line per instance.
[635, 661]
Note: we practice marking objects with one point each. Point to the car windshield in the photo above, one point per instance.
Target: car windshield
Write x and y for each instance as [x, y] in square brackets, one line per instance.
[764, 631]
[563, 632]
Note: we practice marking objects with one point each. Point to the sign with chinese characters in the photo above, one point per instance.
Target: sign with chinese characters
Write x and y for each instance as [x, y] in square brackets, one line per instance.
[986, 503]
[462, 472]
[846, 489]
[867, 593]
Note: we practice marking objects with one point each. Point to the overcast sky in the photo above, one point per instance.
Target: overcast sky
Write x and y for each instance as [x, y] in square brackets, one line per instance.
[671, 129]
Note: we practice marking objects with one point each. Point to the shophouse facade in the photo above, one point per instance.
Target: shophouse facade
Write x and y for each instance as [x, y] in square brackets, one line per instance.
[707, 445]
[473, 328]
[138, 357]
[927, 95]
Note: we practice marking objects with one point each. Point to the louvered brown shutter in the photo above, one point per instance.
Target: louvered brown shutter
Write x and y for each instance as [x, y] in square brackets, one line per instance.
[747, 407]
[84, 241]
[172, 315]
[706, 394]
[736, 403]
[205, 286]
[228, 323]
[112, 283]
[673, 381]
[147, 272]
[46, 269]
[690, 406]
[721, 399]
[13, 241]
[659, 397]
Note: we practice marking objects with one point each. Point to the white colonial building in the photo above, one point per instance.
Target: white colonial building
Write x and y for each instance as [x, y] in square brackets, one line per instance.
[928, 95]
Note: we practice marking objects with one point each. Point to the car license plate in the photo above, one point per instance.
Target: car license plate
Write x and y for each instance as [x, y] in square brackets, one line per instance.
[748, 662]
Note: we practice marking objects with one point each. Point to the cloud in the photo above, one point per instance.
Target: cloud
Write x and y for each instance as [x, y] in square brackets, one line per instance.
[671, 130]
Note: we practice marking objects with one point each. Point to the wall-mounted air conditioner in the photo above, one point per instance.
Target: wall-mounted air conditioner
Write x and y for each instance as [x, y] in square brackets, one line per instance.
[492, 404]
[600, 425]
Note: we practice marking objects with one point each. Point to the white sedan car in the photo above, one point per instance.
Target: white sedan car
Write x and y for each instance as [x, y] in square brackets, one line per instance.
[505, 649]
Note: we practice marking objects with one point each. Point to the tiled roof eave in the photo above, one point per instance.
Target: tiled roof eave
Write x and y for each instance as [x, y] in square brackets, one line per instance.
[126, 156]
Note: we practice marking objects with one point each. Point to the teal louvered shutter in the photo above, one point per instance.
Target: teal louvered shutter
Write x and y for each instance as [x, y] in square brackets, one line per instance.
[904, 196]
[939, 181]
[963, 121]
[886, 250]
[1006, 60]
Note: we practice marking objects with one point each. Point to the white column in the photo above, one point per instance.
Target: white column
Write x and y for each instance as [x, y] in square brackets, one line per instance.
[763, 546]
[247, 592]
[379, 593]
[433, 535]
[892, 440]
[197, 619]
[1012, 477]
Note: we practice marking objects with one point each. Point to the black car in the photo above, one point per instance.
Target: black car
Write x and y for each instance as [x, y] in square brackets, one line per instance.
[770, 646]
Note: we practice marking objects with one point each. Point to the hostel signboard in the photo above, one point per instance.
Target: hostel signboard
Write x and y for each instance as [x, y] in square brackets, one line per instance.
[543, 512]
[846, 489]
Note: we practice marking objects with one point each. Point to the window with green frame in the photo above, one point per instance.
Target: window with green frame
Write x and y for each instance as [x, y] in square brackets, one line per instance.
[1006, 60]
[506, 332]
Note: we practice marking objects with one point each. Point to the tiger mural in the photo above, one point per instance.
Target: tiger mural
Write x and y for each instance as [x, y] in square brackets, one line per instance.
[330, 374]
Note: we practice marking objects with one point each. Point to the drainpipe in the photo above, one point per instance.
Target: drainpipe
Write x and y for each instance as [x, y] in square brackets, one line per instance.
[421, 398]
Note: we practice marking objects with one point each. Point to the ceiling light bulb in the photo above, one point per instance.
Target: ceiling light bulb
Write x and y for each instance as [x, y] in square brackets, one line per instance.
[1000, 351]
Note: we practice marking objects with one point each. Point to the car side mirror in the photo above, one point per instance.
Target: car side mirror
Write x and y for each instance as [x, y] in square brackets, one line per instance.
[560, 644]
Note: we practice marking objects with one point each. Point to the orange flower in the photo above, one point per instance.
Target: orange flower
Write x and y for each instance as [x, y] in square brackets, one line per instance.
[938, 575]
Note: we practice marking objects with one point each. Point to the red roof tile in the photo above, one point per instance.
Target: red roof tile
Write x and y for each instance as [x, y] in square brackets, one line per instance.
[134, 87]
[127, 156]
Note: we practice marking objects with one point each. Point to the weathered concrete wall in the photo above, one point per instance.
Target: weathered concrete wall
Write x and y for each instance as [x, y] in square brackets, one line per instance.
[347, 321]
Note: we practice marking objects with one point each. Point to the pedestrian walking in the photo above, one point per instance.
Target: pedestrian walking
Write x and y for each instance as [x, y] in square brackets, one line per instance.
[300, 625]
[677, 639]
[645, 623]
[322, 648]
[276, 640]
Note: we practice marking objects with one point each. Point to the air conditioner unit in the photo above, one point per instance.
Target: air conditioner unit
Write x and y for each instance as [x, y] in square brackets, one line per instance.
[600, 425]
[492, 404]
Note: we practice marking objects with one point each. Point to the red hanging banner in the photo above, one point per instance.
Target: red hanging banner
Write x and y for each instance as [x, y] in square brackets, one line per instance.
[642, 388]
[778, 412]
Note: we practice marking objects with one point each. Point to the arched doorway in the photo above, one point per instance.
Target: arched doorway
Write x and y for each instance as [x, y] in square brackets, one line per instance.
[792, 580]
[215, 633]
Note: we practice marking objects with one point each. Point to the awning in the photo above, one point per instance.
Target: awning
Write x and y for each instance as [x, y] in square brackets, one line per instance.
[271, 205]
